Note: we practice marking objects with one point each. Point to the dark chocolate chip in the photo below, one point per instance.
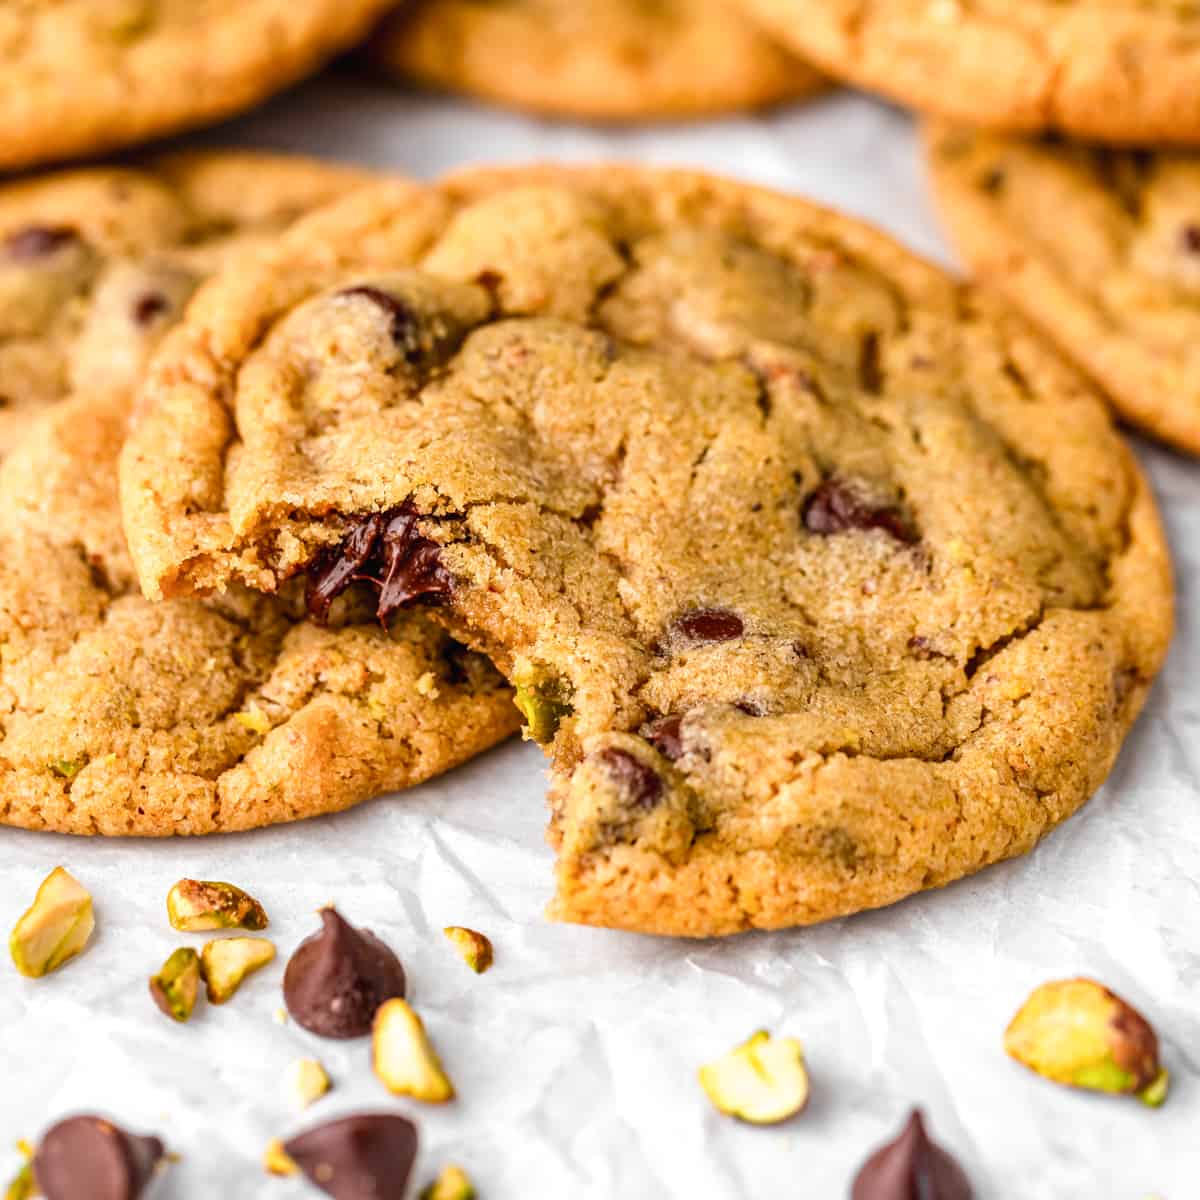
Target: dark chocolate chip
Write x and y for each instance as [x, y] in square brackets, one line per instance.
[368, 1156]
[149, 306]
[640, 783]
[911, 1168]
[710, 625]
[666, 736]
[38, 241]
[835, 507]
[338, 978]
[386, 551]
[405, 322]
[88, 1156]
[1190, 238]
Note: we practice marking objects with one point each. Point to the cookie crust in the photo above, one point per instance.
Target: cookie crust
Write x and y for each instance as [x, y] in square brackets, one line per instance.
[1101, 249]
[621, 60]
[1113, 72]
[83, 76]
[833, 581]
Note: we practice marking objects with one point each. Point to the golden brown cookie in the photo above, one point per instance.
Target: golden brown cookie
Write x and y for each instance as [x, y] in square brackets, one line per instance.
[82, 76]
[1101, 248]
[96, 264]
[602, 59]
[1110, 70]
[821, 577]
[125, 717]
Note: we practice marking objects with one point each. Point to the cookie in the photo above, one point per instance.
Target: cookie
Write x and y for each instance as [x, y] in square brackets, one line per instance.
[189, 717]
[96, 264]
[83, 76]
[1109, 70]
[822, 579]
[1101, 248]
[621, 60]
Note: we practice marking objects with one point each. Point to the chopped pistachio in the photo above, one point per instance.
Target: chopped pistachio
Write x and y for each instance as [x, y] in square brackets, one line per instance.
[55, 928]
[403, 1057]
[176, 987]
[762, 1081]
[474, 947]
[198, 905]
[228, 961]
[276, 1160]
[22, 1186]
[68, 768]
[544, 700]
[310, 1082]
[452, 1183]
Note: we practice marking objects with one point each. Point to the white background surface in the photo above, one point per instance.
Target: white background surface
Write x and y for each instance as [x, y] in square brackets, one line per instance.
[575, 1057]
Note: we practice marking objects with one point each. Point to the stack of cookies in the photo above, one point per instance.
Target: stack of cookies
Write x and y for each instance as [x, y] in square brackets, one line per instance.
[820, 578]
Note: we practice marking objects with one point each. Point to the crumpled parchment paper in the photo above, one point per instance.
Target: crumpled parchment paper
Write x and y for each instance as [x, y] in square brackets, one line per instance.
[575, 1058]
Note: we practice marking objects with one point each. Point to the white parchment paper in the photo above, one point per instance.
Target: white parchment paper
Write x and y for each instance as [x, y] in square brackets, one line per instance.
[575, 1057]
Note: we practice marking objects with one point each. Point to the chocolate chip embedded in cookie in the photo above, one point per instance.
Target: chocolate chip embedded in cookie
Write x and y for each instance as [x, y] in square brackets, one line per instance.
[1103, 70]
[1100, 248]
[602, 59]
[82, 76]
[821, 578]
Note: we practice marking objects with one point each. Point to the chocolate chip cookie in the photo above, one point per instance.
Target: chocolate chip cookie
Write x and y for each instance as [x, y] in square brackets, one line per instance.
[189, 717]
[1101, 248]
[82, 76]
[822, 579]
[96, 264]
[601, 59]
[1109, 70]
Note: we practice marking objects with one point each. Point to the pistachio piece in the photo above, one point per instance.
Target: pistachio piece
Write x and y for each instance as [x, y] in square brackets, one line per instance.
[1077, 1032]
[55, 928]
[177, 985]
[452, 1183]
[476, 950]
[22, 1186]
[310, 1082]
[227, 962]
[762, 1081]
[276, 1160]
[198, 905]
[544, 700]
[403, 1057]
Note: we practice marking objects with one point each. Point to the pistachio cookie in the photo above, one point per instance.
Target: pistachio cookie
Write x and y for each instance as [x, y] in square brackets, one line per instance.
[820, 576]
[83, 76]
[125, 717]
[1101, 248]
[1109, 70]
[96, 264]
[602, 59]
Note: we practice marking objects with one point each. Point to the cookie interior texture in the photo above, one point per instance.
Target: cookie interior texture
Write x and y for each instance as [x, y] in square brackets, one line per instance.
[1112, 70]
[604, 59]
[1101, 248]
[821, 577]
[189, 717]
[81, 76]
[97, 263]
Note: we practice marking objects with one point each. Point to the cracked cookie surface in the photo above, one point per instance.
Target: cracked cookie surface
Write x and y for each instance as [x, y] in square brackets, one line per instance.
[96, 264]
[1101, 248]
[602, 59]
[821, 578]
[122, 717]
[1109, 70]
[82, 76]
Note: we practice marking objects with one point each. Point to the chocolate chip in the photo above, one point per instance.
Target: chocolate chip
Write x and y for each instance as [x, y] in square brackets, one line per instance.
[666, 735]
[640, 783]
[1190, 238]
[337, 978]
[405, 323]
[38, 241]
[835, 507]
[386, 551]
[368, 1156]
[90, 1156]
[148, 306]
[992, 180]
[911, 1168]
[710, 625]
[752, 708]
